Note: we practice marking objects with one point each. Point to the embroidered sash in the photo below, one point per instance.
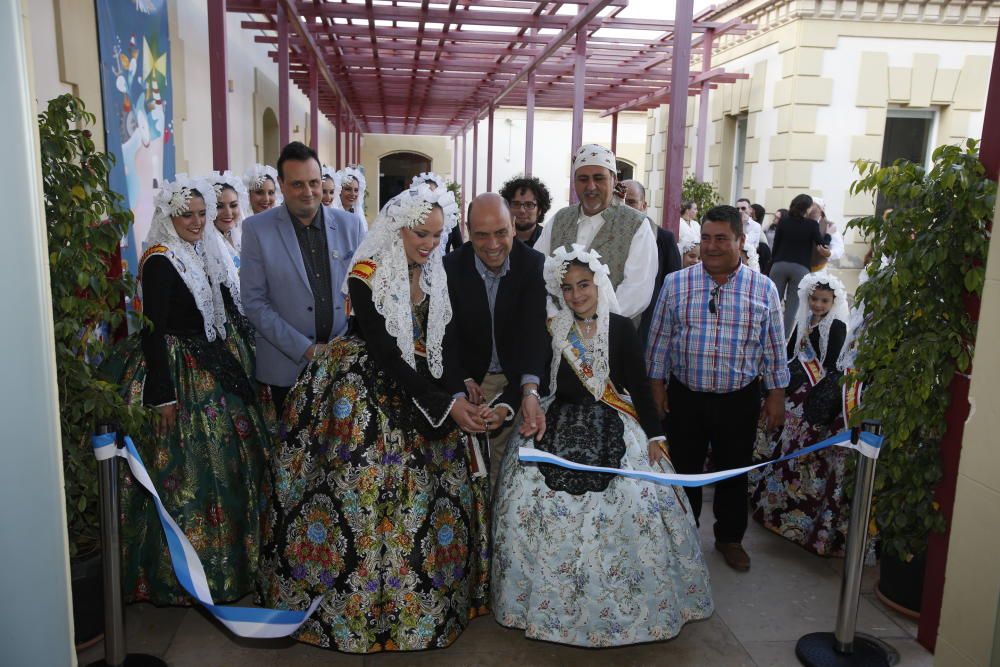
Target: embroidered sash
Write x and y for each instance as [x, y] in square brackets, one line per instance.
[810, 362]
[851, 395]
[575, 355]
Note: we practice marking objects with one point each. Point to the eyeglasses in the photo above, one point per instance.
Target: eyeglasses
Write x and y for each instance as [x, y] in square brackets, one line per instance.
[526, 205]
[711, 301]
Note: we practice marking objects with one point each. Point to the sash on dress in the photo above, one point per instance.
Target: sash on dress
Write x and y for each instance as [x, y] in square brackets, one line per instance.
[575, 355]
[810, 363]
[851, 395]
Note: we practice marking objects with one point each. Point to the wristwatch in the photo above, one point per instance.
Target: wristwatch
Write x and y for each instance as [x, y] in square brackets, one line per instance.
[533, 392]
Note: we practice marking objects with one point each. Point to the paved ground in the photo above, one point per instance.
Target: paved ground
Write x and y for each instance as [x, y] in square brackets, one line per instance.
[759, 616]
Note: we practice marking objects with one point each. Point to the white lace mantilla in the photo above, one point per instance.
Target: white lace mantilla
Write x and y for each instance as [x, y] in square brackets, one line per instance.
[839, 310]
[390, 283]
[554, 272]
[203, 266]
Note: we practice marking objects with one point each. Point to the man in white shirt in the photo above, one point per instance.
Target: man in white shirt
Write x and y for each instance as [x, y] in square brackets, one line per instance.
[751, 228]
[601, 221]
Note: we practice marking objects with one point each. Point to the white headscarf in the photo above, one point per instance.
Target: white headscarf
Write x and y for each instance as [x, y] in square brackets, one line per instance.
[359, 176]
[391, 284]
[199, 262]
[427, 177]
[218, 180]
[334, 177]
[607, 303]
[254, 179]
[839, 310]
[594, 155]
[689, 239]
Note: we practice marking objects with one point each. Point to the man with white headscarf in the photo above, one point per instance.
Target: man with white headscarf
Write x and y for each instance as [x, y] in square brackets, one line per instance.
[602, 222]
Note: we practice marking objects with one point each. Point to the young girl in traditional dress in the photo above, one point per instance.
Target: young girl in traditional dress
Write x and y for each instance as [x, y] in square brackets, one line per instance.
[803, 499]
[594, 559]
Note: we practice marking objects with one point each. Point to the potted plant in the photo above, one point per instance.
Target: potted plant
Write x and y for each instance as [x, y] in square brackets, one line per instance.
[703, 194]
[85, 222]
[929, 258]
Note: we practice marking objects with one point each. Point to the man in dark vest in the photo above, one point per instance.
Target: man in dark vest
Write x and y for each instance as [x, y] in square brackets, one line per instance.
[496, 345]
[602, 222]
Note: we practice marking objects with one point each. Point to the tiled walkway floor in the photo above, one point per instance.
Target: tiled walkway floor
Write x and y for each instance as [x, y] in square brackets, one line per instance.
[759, 616]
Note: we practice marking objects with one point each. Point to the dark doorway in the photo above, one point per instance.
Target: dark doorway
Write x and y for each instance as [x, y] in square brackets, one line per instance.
[396, 170]
[626, 170]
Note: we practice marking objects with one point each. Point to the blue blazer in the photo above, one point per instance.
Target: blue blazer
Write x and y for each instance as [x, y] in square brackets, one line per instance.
[277, 297]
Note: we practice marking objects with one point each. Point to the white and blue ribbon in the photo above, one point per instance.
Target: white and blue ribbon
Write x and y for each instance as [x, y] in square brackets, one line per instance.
[868, 445]
[251, 622]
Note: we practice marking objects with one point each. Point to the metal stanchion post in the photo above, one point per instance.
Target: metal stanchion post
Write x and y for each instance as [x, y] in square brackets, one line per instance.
[115, 654]
[845, 647]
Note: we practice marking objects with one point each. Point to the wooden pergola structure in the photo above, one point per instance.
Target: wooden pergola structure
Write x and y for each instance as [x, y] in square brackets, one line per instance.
[440, 67]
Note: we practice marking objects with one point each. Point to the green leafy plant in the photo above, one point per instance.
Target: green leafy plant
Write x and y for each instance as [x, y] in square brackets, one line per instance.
[85, 222]
[703, 194]
[918, 332]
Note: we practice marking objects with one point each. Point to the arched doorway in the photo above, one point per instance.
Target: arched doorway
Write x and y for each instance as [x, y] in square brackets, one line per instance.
[396, 170]
[269, 146]
[626, 170]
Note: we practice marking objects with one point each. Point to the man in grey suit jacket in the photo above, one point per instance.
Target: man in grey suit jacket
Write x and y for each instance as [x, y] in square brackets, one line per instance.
[294, 260]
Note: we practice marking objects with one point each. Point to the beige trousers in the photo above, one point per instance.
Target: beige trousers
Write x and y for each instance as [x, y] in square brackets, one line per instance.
[494, 384]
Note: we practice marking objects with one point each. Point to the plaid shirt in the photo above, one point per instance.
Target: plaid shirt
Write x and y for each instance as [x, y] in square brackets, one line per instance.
[723, 351]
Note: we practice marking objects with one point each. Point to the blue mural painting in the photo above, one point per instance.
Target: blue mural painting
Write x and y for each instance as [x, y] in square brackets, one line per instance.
[138, 119]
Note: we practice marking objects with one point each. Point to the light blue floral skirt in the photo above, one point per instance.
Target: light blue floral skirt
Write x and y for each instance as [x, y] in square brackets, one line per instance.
[610, 568]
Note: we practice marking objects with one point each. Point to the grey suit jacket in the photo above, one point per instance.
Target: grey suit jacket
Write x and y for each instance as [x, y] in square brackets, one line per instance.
[276, 294]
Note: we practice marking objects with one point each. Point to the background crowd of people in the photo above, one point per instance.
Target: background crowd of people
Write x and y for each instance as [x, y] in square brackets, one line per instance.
[339, 407]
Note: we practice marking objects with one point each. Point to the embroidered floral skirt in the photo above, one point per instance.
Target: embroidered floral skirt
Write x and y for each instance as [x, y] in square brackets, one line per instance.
[802, 499]
[374, 511]
[208, 473]
[598, 568]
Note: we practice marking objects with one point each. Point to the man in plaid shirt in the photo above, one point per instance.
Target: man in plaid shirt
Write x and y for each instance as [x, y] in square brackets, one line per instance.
[716, 334]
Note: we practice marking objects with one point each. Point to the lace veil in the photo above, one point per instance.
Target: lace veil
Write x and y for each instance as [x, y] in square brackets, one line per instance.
[607, 303]
[334, 177]
[254, 178]
[219, 179]
[199, 263]
[839, 310]
[358, 175]
[390, 282]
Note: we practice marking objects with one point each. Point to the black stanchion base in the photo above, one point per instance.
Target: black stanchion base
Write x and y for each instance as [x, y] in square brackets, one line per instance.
[817, 650]
[133, 660]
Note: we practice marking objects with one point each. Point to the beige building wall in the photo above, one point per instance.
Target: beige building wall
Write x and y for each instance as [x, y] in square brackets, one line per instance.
[823, 77]
[64, 55]
[967, 635]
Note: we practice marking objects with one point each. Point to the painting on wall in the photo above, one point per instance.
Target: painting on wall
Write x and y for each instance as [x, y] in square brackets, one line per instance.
[137, 99]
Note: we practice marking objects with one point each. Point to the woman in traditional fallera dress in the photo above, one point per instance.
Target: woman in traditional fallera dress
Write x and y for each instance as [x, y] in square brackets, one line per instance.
[352, 192]
[331, 186]
[375, 507]
[803, 499]
[232, 206]
[594, 559]
[207, 454]
[261, 181]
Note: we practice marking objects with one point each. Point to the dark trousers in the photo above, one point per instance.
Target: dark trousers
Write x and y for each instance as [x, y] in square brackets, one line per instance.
[278, 395]
[729, 423]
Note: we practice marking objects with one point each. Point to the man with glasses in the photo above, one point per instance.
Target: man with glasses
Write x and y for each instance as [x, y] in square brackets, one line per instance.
[529, 201]
[751, 228]
[716, 334]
